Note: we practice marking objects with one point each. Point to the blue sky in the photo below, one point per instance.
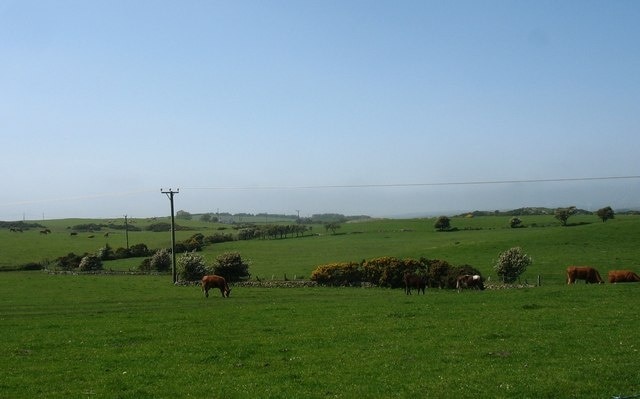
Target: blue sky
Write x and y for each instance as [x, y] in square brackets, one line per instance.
[279, 106]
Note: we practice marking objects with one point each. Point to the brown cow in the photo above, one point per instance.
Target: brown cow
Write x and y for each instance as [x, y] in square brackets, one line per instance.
[623, 276]
[586, 273]
[213, 281]
[416, 281]
[469, 281]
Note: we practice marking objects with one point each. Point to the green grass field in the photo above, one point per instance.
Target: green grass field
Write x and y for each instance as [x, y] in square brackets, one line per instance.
[139, 336]
[478, 241]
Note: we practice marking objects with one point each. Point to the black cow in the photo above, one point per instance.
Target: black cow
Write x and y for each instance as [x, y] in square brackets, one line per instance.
[414, 281]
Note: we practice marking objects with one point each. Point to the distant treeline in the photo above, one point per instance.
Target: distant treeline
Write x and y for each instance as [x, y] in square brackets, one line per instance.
[20, 225]
[320, 218]
[531, 211]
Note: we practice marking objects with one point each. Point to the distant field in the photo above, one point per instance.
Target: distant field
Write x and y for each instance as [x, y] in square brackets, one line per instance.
[104, 336]
[477, 242]
[76, 336]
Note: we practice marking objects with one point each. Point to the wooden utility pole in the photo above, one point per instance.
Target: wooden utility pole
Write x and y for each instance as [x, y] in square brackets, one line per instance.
[126, 230]
[170, 194]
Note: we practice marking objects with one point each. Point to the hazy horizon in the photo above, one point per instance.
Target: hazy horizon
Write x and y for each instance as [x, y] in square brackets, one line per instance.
[351, 107]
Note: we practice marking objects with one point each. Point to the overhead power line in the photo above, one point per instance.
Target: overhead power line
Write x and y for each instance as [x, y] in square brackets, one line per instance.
[78, 198]
[428, 184]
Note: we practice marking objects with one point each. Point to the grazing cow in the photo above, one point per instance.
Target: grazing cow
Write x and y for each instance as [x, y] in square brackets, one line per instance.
[623, 276]
[586, 273]
[213, 281]
[416, 281]
[472, 281]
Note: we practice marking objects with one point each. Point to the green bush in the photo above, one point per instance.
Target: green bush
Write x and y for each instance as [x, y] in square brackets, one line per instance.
[139, 250]
[159, 227]
[106, 253]
[145, 265]
[389, 271]
[511, 264]
[438, 273]
[68, 262]
[160, 261]
[190, 267]
[218, 238]
[90, 263]
[193, 243]
[122, 253]
[231, 266]
[32, 266]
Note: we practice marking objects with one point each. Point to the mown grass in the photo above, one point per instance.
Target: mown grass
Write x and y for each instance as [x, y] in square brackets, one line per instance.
[141, 337]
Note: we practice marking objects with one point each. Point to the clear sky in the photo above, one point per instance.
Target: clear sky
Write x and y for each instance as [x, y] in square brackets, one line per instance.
[354, 107]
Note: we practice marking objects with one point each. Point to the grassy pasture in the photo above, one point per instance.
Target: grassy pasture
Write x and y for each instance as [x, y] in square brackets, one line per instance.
[478, 241]
[110, 336]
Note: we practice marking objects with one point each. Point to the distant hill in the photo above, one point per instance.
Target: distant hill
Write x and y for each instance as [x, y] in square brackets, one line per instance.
[529, 211]
[526, 211]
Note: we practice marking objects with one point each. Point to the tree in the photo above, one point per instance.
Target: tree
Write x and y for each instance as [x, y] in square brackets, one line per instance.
[562, 214]
[605, 213]
[333, 226]
[511, 264]
[442, 223]
[209, 217]
[183, 215]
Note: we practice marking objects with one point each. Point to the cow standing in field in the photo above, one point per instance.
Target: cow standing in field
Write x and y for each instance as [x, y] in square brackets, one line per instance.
[213, 281]
[414, 281]
[623, 276]
[472, 281]
[586, 273]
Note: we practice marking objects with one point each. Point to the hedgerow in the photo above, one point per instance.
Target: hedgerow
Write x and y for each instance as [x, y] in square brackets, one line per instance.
[384, 271]
[389, 272]
[348, 273]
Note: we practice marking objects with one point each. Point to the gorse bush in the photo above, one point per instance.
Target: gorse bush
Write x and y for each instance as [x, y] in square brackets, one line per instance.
[384, 271]
[161, 260]
[389, 272]
[347, 273]
[439, 273]
[139, 250]
[190, 267]
[68, 262]
[218, 238]
[106, 253]
[511, 264]
[231, 266]
[90, 263]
